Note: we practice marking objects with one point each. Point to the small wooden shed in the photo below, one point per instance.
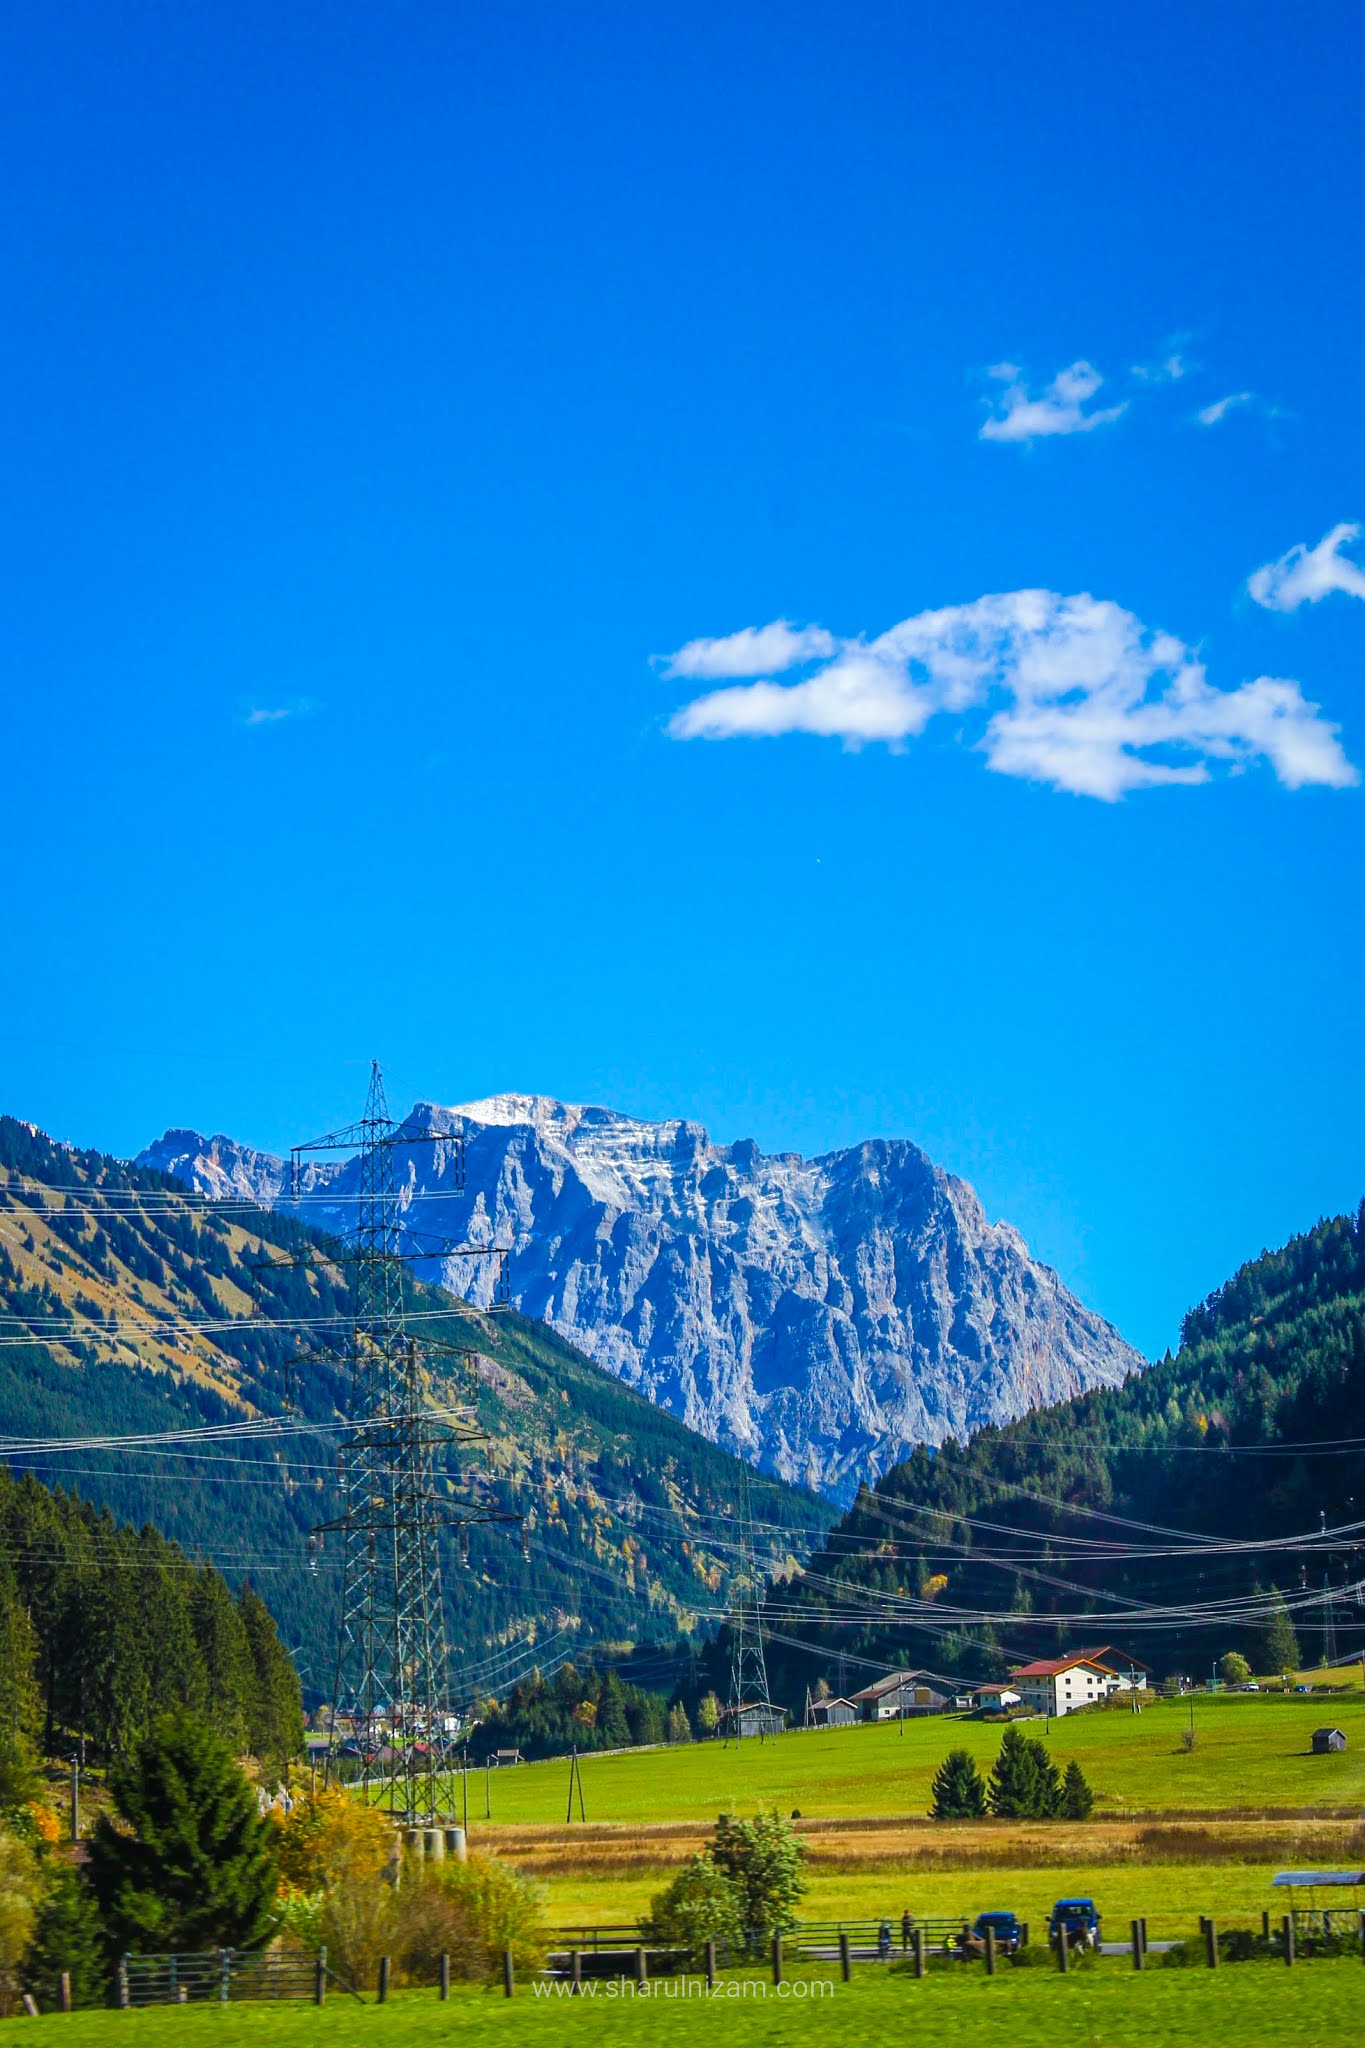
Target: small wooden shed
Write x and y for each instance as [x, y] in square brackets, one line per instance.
[1327, 1739]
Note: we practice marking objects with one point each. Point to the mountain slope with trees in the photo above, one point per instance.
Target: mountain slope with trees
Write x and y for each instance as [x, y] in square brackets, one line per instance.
[130, 1306]
[1123, 1498]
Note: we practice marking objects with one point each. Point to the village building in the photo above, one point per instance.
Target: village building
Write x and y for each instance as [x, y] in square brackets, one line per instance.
[901, 1694]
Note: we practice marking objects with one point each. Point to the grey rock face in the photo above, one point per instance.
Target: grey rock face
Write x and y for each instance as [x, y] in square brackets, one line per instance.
[820, 1316]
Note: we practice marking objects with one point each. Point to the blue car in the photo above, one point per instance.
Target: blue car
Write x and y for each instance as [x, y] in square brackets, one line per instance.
[1075, 1921]
[1007, 1928]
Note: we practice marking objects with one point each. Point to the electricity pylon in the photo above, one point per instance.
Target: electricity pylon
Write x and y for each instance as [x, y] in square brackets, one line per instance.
[392, 1677]
[748, 1669]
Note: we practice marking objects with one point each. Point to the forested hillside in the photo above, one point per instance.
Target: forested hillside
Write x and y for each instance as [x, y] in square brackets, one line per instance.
[129, 1307]
[102, 1627]
[1204, 1479]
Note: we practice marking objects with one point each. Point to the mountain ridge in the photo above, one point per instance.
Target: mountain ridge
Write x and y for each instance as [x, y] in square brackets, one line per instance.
[822, 1316]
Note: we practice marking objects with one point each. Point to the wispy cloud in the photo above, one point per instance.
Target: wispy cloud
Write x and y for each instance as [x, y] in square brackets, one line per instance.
[751, 653]
[1306, 574]
[1210, 415]
[1074, 692]
[1059, 409]
[1169, 370]
[274, 714]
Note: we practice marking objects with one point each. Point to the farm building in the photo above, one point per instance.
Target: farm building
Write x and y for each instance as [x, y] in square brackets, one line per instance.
[1327, 1739]
[758, 1717]
[901, 1693]
[833, 1713]
[1130, 1674]
[995, 1696]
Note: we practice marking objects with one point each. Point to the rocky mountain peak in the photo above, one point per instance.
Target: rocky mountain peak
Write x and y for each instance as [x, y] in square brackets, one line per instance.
[822, 1316]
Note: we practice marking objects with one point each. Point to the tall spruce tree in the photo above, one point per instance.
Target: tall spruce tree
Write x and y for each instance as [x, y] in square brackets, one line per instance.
[194, 1864]
[274, 1718]
[68, 1936]
[1279, 1644]
[1013, 1784]
[958, 1789]
[1078, 1801]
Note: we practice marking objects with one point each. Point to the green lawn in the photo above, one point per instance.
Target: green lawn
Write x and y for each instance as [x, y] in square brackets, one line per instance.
[1250, 1752]
[1108, 2006]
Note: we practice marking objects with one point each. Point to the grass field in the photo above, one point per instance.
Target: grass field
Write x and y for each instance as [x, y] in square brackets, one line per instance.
[1252, 1754]
[1108, 2006]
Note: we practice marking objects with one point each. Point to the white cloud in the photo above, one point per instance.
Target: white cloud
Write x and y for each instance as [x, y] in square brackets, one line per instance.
[261, 715]
[1306, 574]
[1059, 410]
[753, 652]
[1169, 370]
[1075, 692]
[1210, 415]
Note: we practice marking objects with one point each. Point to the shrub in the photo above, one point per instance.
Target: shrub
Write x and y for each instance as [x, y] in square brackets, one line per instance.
[194, 1864]
[19, 1889]
[505, 1910]
[762, 1859]
[331, 1836]
[1234, 1669]
[958, 1789]
[700, 1905]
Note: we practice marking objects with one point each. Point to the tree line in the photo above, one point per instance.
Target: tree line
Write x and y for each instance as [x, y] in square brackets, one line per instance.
[104, 1627]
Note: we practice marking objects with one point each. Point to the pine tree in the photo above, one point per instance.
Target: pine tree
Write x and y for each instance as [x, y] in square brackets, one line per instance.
[67, 1936]
[959, 1792]
[197, 1867]
[679, 1727]
[1078, 1801]
[1281, 1652]
[229, 1671]
[275, 1708]
[21, 1710]
[1013, 1785]
[1047, 1792]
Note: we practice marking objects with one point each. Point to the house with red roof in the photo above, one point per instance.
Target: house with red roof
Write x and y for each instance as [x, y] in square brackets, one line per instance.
[1058, 1685]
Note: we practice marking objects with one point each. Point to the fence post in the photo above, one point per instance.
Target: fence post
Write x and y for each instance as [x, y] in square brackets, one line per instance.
[641, 1967]
[1265, 1925]
[845, 1962]
[123, 1981]
[575, 1972]
[1142, 1923]
[508, 1979]
[777, 1959]
[64, 1991]
[1137, 1944]
[1211, 1944]
[1063, 1950]
[919, 1951]
[1023, 1934]
[710, 1966]
[224, 1974]
[382, 1989]
[320, 1979]
[445, 1973]
[990, 1951]
[1361, 1920]
[1287, 1929]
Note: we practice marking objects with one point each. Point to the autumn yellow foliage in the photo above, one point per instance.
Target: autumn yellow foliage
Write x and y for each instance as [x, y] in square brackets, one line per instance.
[331, 1838]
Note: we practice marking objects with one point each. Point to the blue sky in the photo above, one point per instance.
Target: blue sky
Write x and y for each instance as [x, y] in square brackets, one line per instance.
[389, 394]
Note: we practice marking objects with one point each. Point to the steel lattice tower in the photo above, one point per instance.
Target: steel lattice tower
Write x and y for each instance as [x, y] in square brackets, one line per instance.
[392, 1680]
[748, 1669]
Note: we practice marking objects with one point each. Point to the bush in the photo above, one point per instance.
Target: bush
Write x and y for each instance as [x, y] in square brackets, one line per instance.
[958, 1789]
[762, 1859]
[19, 1890]
[194, 1864]
[331, 1836]
[1234, 1669]
[700, 1905]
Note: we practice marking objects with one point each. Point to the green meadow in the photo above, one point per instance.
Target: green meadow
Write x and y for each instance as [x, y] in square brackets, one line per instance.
[1252, 1753]
[1105, 2006]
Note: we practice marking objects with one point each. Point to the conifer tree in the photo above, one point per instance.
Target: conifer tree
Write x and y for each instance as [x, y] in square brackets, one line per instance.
[1281, 1651]
[68, 1936]
[229, 1670]
[274, 1717]
[958, 1789]
[1078, 1801]
[1013, 1785]
[197, 1866]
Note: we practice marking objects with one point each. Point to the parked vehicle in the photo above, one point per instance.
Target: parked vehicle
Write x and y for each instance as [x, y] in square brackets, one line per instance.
[1075, 1921]
[1009, 1931]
